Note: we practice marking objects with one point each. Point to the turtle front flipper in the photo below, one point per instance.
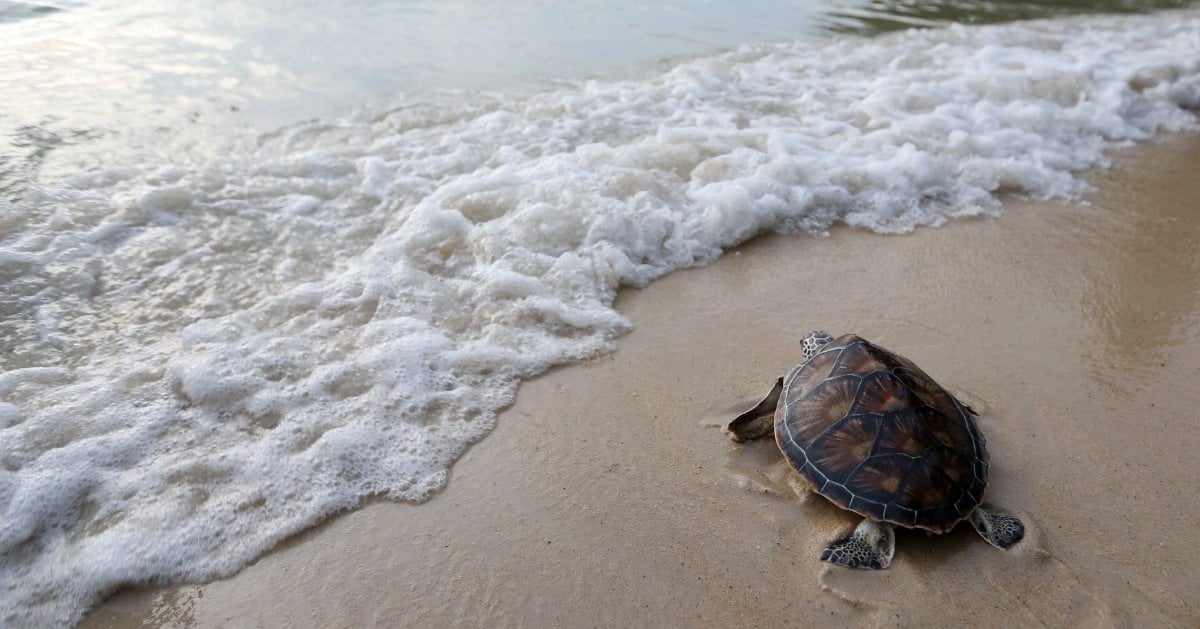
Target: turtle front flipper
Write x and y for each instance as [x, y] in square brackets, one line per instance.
[758, 421]
[1001, 531]
[869, 547]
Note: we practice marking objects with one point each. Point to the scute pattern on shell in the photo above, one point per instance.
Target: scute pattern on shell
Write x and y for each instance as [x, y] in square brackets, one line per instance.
[874, 434]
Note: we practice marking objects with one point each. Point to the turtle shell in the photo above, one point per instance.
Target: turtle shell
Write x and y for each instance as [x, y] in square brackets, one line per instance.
[874, 434]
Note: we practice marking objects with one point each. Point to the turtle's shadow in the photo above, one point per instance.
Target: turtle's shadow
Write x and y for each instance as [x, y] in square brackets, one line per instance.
[926, 552]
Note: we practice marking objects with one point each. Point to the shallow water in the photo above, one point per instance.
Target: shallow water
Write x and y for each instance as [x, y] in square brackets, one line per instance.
[95, 83]
[220, 324]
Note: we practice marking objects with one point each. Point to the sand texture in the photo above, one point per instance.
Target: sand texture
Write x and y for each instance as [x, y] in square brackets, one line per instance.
[609, 496]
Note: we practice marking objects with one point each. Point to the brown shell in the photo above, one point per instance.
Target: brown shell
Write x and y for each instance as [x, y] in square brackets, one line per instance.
[874, 434]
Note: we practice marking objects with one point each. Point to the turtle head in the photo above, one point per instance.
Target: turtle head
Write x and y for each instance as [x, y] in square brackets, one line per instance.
[813, 342]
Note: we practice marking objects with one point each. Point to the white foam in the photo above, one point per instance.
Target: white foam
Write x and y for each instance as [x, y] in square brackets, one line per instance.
[207, 359]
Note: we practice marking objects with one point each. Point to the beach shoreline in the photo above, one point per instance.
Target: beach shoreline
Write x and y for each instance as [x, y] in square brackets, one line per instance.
[607, 494]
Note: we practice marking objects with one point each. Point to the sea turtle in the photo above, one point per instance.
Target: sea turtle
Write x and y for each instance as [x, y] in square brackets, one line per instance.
[872, 433]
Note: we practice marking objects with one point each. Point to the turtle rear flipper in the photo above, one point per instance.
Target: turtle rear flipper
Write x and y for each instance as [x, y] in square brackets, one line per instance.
[1001, 531]
[870, 547]
[758, 421]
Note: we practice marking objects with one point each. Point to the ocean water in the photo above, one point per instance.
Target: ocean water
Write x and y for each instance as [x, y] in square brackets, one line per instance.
[260, 261]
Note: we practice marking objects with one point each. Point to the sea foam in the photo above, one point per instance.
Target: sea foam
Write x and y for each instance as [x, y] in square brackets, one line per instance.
[201, 360]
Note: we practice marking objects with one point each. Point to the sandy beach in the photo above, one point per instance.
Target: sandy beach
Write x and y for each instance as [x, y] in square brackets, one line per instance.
[608, 496]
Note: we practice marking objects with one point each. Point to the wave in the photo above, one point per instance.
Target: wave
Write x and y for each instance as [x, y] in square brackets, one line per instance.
[202, 360]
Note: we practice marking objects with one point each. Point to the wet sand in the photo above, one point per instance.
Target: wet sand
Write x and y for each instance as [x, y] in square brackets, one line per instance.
[608, 496]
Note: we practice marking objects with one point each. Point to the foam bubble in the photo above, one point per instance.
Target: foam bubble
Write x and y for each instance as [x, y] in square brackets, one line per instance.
[203, 360]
